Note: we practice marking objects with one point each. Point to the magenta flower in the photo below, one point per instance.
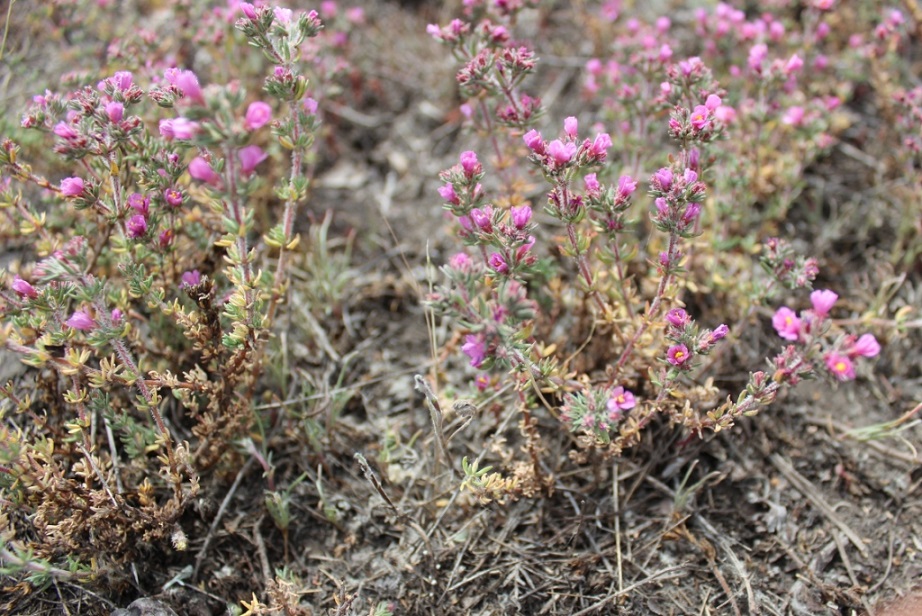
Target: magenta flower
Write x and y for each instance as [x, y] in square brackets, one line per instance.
[250, 157]
[570, 127]
[116, 316]
[310, 106]
[794, 116]
[561, 152]
[866, 346]
[699, 117]
[677, 317]
[498, 263]
[475, 348]
[662, 180]
[786, 323]
[470, 164]
[139, 203]
[840, 366]
[72, 187]
[483, 218]
[461, 262]
[200, 169]
[80, 320]
[122, 80]
[534, 141]
[793, 65]
[190, 278]
[115, 111]
[187, 82]
[822, 302]
[178, 128]
[173, 197]
[599, 148]
[448, 194]
[258, 115]
[248, 10]
[626, 186]
[521, 215]
[137, 226]
[678, 355]
[719, 333]
[757, 55]
[620, 400]
[64, 131]
[23, 288]
[282, 15]
[592, 184]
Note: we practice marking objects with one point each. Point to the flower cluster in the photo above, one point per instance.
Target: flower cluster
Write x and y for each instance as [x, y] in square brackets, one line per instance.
[597, 411]
[811, 325]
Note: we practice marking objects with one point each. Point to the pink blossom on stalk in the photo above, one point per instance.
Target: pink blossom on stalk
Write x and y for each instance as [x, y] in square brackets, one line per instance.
[757, 55]
[72, 187]
[65, 131]
[599, 148]
[173, 197]
[190, 278]
[521, 216]
[310, 106]
[794, 116]
[498, 263]
[794, 64]
[283, 15]
[677, 317]
[248, 10]
[662, 180]
[475, 348]
[470, 164]
[250, 157]
[725, 114]
[137, 226]
[122, 80]
[483, 218]
[258, 115]
[139, 203]
[178, 128]
[187, 82]
[570, 127]
[626, 186]
[620, 400]
[534, 141]
[80, 320]
[592, 184]
[699, 117]
[678, 355]
[561, 152]
[713, 102]
[841, 366]
[23, 288]
[866, 346]
[447, 192]
[115, 111]
[786, 323]
[200, 169]
[116, 316]
[823, 301]
[461, 262]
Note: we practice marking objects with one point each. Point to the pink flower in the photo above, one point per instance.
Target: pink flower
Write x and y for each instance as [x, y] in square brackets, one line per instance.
[866, 346]
[137, 226]
[561, 152]
[187, 82]
[757, 55]
[80, 320]
[461, 262]
[521, 215]
[626, 186]
[786, 323]
[72, 187]
[483, 218]
[498, 263]
[841, 366]
[793, 65]
[64, 131]
[116, 315]
[178, 128]
[250, 157]
[699, 117]
[173, 197]
[190, 278]
[822, 302]
[122, 80]
[258, 115]
[620, 400]
[534, 141]
[448, 194]
[139, 203]
[23, 288]
[115, 111]
[200, 169]
[713, 102]
[678, 355]
[662, 180]
[599, 148]
[794, 116]
[470, 164]
[282, 15]
[475, 348]
[310, 106]
[570, 127]
[677, 317]
[592, 183]
[248, 10]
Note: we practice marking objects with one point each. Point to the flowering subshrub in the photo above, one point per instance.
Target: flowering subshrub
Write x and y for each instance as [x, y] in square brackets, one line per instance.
[146, 296]
[584, 305]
